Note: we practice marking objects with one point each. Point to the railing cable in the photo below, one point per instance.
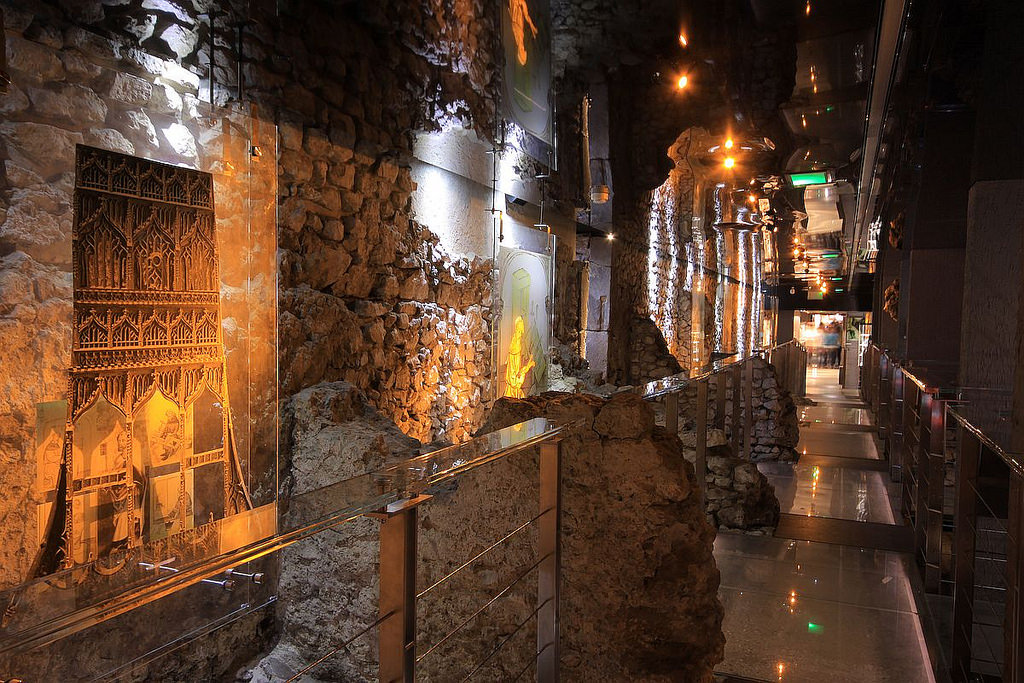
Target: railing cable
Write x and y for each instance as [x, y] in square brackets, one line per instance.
[481, 554]
[507, 638]
[343, 646]
[483, 608]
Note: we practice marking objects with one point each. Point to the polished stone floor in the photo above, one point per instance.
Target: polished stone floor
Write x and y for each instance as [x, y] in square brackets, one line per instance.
[837, 492]
[837, 611]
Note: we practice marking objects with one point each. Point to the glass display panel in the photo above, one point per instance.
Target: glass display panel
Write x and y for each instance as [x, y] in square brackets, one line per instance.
[522, 322]
[141, 426]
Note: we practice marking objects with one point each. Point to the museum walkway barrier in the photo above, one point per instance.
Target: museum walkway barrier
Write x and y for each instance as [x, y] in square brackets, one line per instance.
[962, 491]
[790, 361]
[711, 393]
[988, 553]
[393, 495]
[917, 442]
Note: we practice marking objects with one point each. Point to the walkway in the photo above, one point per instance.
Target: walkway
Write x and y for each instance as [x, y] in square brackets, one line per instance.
[831, 597]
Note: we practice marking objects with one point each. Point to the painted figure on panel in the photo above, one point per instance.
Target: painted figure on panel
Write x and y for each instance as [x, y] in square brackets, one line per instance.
[519, 10]
[520, 362]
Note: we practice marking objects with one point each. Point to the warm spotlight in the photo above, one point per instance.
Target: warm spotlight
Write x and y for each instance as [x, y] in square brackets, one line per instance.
[682, 39]
[729, 162]
[611, 236]
[728, 143]
[682, 82]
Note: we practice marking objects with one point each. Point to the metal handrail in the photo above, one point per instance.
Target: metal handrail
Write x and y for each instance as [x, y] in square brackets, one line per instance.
[739, 375]
[916, 411]
[309, 514]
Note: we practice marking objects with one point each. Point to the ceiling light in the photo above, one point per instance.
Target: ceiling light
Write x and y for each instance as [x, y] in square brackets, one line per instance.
[728, 143]
[611, 236]
[682, 82]
[729, 162]
[682, 39]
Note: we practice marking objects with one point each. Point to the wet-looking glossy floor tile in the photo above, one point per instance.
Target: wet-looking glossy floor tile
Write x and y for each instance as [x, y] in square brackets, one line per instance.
[830, 413]
[838, 492]
[820, 611]
[838, 443]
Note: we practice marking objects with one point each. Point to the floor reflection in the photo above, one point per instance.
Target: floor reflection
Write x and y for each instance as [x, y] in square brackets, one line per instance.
[825, 612]
[836, 492]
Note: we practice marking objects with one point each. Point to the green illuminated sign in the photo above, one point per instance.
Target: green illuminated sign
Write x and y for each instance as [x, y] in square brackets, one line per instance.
[813, 178]
[815, 628]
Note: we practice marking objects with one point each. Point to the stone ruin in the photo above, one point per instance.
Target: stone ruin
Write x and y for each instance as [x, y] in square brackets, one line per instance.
[639, 597]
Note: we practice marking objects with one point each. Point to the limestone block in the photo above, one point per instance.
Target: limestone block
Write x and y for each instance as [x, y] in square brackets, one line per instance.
[414, 286]
[166, 99]
[78, 67]
[33, 60]
[181, 140]
[14, 102]
[42, 148]
[139, 129]
[108, 138]
[180, 40]
[130, 90]
[72, 104]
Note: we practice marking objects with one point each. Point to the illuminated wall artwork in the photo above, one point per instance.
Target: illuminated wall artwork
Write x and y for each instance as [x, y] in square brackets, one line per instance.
[143, 450]
[523, 322]
[526, 35]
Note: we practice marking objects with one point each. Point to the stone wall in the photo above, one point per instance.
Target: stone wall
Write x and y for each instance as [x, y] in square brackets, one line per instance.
[670, 256]
[738, 495]
[650, 357]
[775, 420]
[366, 293]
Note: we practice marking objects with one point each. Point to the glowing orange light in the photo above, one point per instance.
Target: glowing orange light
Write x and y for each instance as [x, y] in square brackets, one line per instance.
[728, 143]
[780, 668]
[807, 9]
[682, 82]
[611, 236]
[752, 199]
[803, 120]
[682, 39]
[729, 162]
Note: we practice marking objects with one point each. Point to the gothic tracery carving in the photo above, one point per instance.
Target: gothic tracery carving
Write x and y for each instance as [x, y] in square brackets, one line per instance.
[146, 346]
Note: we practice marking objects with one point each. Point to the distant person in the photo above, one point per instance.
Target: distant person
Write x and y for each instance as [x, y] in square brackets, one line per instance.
[830, 342]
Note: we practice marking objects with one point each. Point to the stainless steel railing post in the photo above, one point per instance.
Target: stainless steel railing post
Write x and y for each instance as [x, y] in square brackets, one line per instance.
[701, 464]
[720, 391]
[398, 590]
[737, 415]
[549, 548]
[1013, 634]
[748, 402]
[672, 413]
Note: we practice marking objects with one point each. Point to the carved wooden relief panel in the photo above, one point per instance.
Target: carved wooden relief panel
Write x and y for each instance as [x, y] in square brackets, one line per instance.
[148, 453]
